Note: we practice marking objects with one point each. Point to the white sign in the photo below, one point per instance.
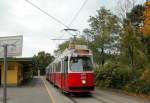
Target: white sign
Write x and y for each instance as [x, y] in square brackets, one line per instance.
[14, 45]
[81, 47]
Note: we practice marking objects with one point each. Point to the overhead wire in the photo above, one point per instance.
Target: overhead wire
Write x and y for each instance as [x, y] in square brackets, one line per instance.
[78, 12]
[57, 20]
[54, 18]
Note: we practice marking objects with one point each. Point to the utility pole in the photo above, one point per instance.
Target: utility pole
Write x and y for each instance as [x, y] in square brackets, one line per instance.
[5, 47]
[5, 74]
[5, 42]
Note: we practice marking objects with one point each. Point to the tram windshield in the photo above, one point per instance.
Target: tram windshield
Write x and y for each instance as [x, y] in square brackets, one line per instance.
[81, 64]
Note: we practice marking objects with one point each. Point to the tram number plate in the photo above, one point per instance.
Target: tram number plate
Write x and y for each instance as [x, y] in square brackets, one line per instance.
[83, 75]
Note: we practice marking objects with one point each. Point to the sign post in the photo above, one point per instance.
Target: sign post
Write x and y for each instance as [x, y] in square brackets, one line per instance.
[5, 73]
[12, 46]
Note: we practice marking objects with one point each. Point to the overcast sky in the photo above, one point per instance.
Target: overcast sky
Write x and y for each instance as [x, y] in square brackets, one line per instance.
[17, 17]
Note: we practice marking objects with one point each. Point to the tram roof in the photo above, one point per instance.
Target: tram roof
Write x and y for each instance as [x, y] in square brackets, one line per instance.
[69, 52]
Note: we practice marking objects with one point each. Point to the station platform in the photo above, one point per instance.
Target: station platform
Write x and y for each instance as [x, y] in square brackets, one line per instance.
[33, 91]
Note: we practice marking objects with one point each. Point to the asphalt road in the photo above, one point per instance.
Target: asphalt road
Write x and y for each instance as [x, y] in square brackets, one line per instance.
[38, 90]
[99, 96]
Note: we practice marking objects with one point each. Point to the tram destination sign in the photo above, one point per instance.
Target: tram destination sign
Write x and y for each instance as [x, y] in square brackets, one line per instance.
[14, 47]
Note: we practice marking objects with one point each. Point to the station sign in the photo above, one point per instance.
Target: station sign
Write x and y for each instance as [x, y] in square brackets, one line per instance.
[81, 47]
[14, 47]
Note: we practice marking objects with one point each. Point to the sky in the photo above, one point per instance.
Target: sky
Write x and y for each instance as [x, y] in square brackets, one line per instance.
[18, 17]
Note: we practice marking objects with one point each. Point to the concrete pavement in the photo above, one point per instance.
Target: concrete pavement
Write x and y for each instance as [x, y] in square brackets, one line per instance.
[38, 90]
[32, 91]
[99, 96]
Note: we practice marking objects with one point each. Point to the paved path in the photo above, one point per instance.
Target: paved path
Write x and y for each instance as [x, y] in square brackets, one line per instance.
[41, 91]
[33, 91]
[99, 96]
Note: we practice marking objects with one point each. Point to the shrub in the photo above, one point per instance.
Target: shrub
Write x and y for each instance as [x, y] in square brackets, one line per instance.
[140, 85]
[145, 76]
[112, 75]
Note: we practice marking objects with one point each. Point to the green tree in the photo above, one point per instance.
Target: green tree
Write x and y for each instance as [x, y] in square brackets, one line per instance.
[131, 48]
[64, 45]
[104, 30]
[135, 16]
[41, 61]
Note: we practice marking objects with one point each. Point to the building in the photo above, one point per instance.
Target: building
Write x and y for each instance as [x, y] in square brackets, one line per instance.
[18, 70]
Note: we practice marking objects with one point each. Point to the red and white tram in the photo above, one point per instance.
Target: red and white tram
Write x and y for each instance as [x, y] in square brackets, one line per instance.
[72, 71]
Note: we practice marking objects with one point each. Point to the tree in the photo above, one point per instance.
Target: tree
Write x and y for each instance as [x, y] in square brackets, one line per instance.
[131, 48]
[124, 7]
[135, 16]
[104, 30]
[64, 45]
[41, 61]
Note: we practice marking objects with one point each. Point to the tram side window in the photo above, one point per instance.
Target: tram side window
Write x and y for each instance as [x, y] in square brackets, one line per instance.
[66, 64]
[54, 67]
[50, 69]
[58, 66]
[62, 67]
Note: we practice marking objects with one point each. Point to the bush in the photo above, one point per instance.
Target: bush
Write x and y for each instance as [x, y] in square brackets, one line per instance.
[145, 76]
[112, 75]
[140, 85]
[118, 76]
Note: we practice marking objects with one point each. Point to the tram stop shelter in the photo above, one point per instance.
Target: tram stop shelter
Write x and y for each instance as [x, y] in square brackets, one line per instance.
[18, 70]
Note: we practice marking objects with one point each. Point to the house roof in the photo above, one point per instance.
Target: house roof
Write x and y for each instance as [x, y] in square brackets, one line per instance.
[26, 62]
[18, 59]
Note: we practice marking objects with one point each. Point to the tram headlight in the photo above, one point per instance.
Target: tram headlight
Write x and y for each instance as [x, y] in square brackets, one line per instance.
[83, 81]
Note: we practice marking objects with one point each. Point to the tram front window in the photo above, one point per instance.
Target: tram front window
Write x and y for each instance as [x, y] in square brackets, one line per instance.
[78, 64]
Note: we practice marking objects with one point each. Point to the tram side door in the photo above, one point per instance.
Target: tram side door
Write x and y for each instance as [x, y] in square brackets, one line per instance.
[65, 73]
[62, 75]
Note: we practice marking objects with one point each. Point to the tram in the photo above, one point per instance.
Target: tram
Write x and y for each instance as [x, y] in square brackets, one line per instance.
[72, 71]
